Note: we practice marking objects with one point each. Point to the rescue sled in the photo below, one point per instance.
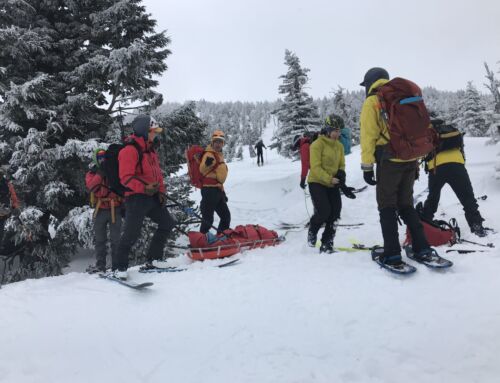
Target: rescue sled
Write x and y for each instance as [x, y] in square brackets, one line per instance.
[230, 242]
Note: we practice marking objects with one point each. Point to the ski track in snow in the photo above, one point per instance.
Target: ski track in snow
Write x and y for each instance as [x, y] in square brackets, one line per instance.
[283, 314]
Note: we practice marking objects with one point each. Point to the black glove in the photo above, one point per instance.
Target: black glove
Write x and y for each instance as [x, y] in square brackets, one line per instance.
[369, 177]
[303, 183]
[209, 161]
[341, 176]
[93, 167]
[225, 197]
[348, 191]
[151, 189]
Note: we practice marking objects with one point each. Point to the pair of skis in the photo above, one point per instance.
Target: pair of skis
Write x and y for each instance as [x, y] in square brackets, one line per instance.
[153, 269]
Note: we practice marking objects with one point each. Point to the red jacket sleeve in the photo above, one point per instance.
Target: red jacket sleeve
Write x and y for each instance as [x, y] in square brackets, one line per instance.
[304, 159]
[13, 196]
[127, 160]
[92, 181]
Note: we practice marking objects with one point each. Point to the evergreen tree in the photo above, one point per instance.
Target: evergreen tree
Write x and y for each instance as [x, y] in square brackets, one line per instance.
[471, 115]
[298, 113]
[66, 68]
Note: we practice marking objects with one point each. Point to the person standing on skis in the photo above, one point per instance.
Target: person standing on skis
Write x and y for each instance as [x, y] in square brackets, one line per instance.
[394, 177]
[260, 155]
[326, 178]
[139, 170]
[213, 197]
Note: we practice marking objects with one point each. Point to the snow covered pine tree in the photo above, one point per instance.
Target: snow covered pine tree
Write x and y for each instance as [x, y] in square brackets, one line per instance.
[66, 67]
[297, 113]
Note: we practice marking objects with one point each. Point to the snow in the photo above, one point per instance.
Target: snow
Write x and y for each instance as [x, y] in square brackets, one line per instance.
[283, 314]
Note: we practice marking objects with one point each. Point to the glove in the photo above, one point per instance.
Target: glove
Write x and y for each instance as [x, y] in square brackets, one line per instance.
[93, 167]
[162, 199]
[303, 183]
[341, 176]
[369, 177]
[348, 191]
[209, 161]
[225, 196]
[151, 189]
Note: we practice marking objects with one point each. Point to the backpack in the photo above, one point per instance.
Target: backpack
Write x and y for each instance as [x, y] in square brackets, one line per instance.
[194, 154]
[438, 232]
[407, 119]
[110, 167]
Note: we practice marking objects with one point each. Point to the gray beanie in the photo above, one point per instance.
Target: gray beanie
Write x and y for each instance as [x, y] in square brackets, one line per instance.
[141, 125]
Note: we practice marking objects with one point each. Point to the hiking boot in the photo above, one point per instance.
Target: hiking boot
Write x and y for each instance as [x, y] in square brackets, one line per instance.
[479, 230]
[311, 238]
[391, 259]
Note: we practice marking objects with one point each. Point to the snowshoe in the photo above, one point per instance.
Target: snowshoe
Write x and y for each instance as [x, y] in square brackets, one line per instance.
[429, 258]
[394, 264]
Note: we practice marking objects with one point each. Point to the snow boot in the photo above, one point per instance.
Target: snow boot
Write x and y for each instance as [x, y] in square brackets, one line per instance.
[92, 269]
[312, 238]
[479, 230]
[326, 247]
[120, 274]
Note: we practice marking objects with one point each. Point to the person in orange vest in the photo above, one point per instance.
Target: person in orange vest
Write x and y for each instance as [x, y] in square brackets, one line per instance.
[213, 197]
[8, 201]
[107, 212]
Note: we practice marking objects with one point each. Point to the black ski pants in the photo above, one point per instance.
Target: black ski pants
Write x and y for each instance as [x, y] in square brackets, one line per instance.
[327, 204]
[260, 157]
[101, 222]
[138, 207]
[214, 200]
[455, 175]
[395, 196]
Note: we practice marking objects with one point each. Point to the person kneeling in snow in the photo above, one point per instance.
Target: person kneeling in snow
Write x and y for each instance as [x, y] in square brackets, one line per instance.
[326, 178]
[213, 196]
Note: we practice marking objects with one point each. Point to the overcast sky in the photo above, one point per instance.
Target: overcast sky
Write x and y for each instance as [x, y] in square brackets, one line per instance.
[228, 50]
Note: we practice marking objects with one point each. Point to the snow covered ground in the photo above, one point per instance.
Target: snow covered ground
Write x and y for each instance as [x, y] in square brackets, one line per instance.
[284, 314]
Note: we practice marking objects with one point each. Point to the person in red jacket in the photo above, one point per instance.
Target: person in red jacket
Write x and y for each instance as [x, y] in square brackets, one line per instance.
[107, 212]
[146, 195]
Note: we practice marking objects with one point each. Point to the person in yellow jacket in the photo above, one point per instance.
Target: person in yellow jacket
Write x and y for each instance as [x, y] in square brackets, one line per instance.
[394, 177]
[326, 178]
[446, 165]
[213, 197]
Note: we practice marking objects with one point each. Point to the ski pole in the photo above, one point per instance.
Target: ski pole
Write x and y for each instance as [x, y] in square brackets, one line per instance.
[491, 245]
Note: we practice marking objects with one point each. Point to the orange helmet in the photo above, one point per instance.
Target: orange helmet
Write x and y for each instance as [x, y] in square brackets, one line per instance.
[218, 135]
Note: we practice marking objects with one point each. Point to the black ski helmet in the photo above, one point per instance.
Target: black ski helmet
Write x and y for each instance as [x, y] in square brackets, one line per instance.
[373, 75]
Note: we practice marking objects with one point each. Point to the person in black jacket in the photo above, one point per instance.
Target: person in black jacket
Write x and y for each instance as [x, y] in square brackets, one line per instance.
[260, 156]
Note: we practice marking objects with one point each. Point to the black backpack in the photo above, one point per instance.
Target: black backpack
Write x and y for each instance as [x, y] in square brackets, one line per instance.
[110, 167]
[449, 137]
